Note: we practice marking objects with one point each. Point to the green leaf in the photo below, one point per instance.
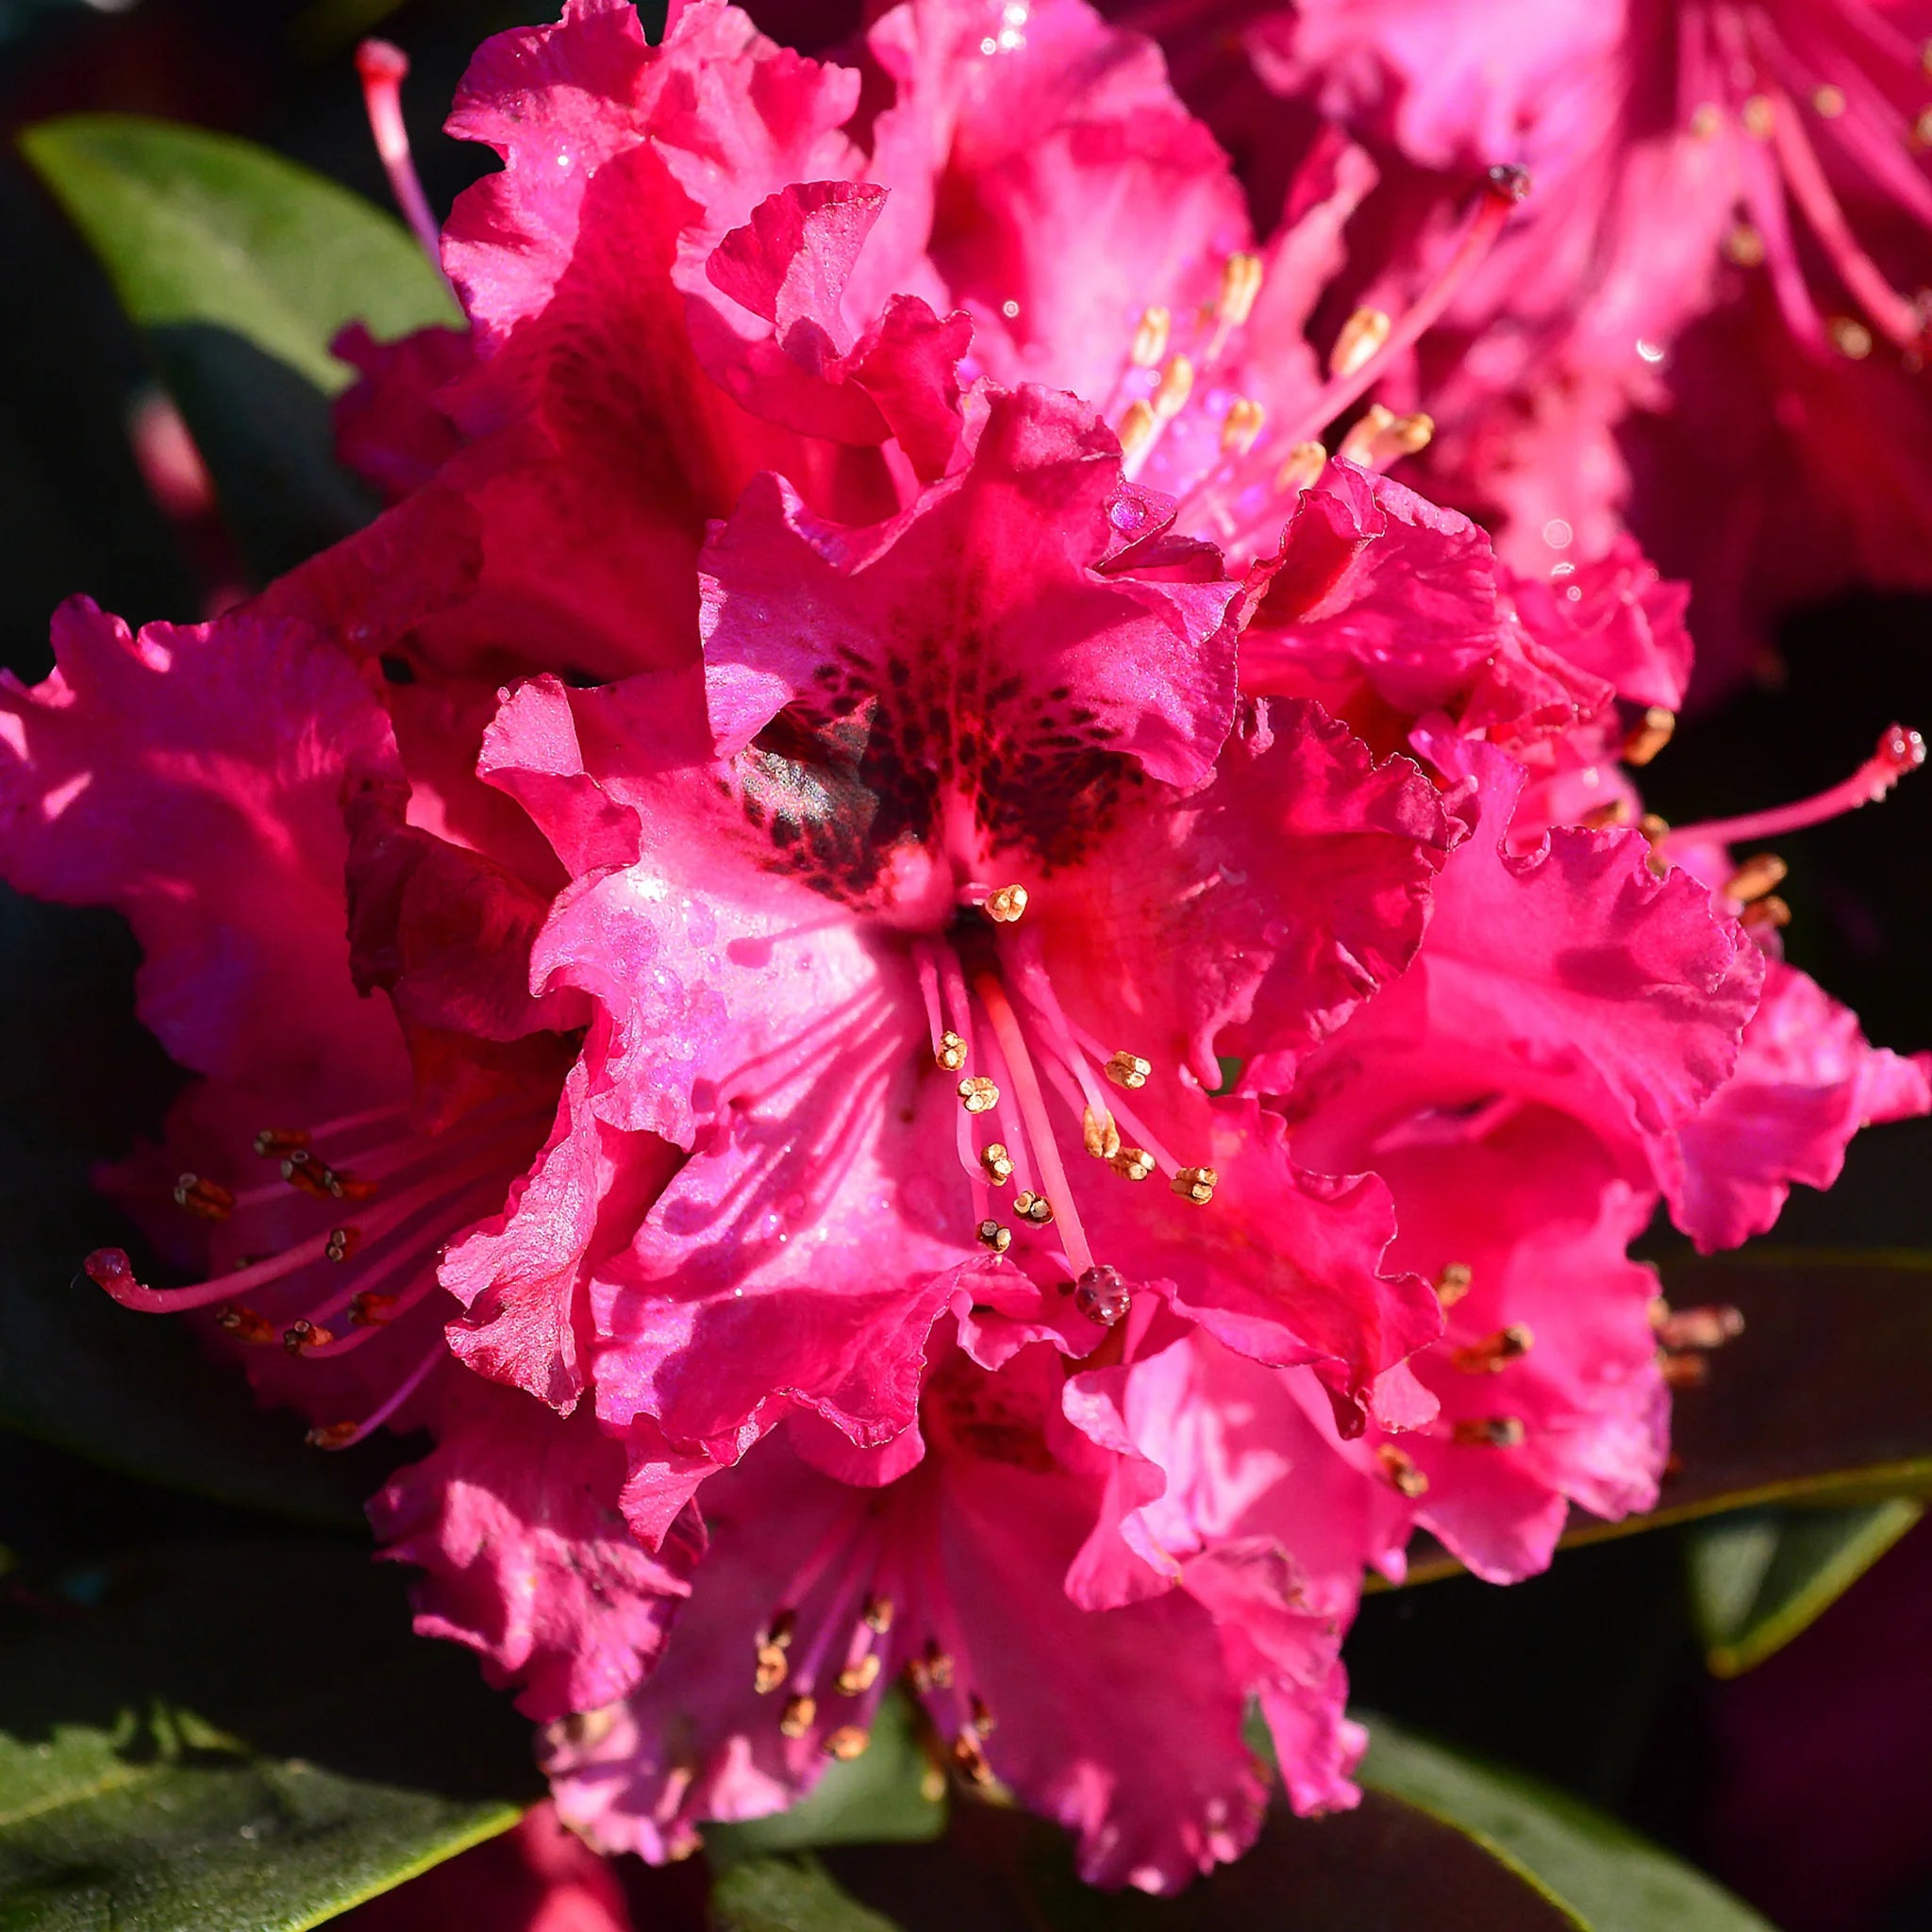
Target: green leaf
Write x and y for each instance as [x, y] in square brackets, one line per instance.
[1760, 1576]
[1820, 1400]
[236, 1738]
[133, 1391]
[1602, 1875]
[789, 1895]
[881, 1796]
[239, 267]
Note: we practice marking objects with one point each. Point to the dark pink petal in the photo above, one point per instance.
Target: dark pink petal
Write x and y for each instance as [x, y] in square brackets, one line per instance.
[389, 428]
[513, 1519]
[1806, 1082]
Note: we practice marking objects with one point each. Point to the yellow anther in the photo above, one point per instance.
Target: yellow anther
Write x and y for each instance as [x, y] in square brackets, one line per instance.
[1921, 128]
[991, 1235]
[1706, 119]
[971, 1760]
[1241, 282]
[855, 1679]
[1006, 905]
[1490, 1432]
[1132, 1163]
[1828, 101]
[1849, 337]
[798, 1717]
[770, 1670]
[1302, 468]
[1034, 1208]
[1706, 1327]
[1413, 433]
[1172, 392]
[982, 1718]
[1649, 735]
[1398, 1465]
[1241, 425]
[847, 1743]
[1127, 1070]
[1150, 336]
[1770, 911]
[1758, 117]
[1495, 1350]
[1654, 828]
[244, 1324]
[342, 1242]
[1602, 817]
[1099, 1134]
[1370, 429]
[1683, 1371]
[1136, 427]
[1360, 336]
[996, 1162]
[951, 1052]
[878, 1615]
[1453, 1283]
[1744, 246]
[1195, 1184]
[1762, 873]
[332, 1435]
[204, 1199]
[977, 1093]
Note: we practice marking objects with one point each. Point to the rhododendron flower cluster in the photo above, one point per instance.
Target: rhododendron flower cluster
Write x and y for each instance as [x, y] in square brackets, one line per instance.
[961, 1006]
[1710, 322]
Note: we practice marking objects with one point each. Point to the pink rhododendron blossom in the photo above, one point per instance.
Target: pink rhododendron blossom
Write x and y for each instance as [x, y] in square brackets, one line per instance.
[1722, 257]
[1026, 1013]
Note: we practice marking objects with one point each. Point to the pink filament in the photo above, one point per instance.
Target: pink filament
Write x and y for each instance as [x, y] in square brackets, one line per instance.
[383, 68]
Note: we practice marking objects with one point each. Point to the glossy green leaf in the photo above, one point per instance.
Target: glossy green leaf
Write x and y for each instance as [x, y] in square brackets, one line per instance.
[881, 1796]
[1820, 1400]
[1603, 1874]
[780, 1894]
[134, 1392]
[236, 1738]
[1760, 1576]
[240, 267]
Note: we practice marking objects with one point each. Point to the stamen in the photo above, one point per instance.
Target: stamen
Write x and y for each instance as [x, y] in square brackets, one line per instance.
[772, 1646]
[1359, 338]
[344, 1435]
[370, 1310]
[271, 1141]
[1135, 430]
[1099, 1134]
[1758, 875]
[1380, 435]
[321, 1182]
[244, 1324]
[1032, 1103]
[204, 1199]
[1849, 337]
[1768, 911]
[1241, 425]
[998, 1163]
[1172, 392]
[977, 1095]
[983, 1723]
[1494, 1352]
[1127, 1070]
[1684, 1370]
[1005, 905]
[383, 68]
[1490, 1432]
[301, 1336]
[971, 1760]
[1034, 1208]
[991, 1235]
[1758, 120]
[1649, 736]
[1744, 246]
[1506, 187]
[847, 1743]
[1241, 283]
[1132, 1163]
[858, 1678]
[1398, 1465]
[1603, 818]
[878, 1615]
[1453, 1283]
[951, 1052]
[1302, 468]
[1150, 336]
[1195, 1184]
[1700, 1328]
[800, 1712]
[342, 1242]
[1899, 751]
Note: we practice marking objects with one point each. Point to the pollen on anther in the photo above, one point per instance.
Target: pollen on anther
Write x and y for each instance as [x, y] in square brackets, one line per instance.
[997, 1162]
[1758, 117]
[1301, 468]
[1241, 283]
[204, 1199]
[1006, 905]
[1132, 1163]
[1034, 1208]
[1360, 338]
[342, 1242]
[1849, 337]
[798, 1717]
[951, 1052]
[1700, 1327]
[878, 1615]
[1398, 1465]
[847, 1743]
[1242, 426]
[1195, 1184]
[244, 1324]
[1743, 246]
[855, 1679]
[982, 1718]
[979, 1095]
[1490, 1432]
[1649, 736]
[770, 1670]
[1453, 1283]
[1099, 1135]
[991, 1235]
[1150, 336]
[301, 1336]
[1684, 1370]
[1127, 1070]
[271, 1141]
[971, 1760]
[1770, 911]
[1762, 873]
[1172, 392]
[1495, 1350]
[1137, 427]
